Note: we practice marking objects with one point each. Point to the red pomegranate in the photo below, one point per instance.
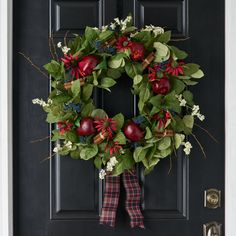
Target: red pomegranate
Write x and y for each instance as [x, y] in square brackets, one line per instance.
[137, 51]
[133, 132]
[87, 64]
[161, 86]
[86, 127]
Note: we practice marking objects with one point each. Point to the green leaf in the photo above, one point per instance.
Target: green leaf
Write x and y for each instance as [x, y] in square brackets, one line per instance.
[61, 98]
[144, 92]
[107, 82]
[178, 140]
[162, 52]
[126, 163]
[101, 65]
[133, 69]
[172, 103]
[190, 68]
[179, 53]
[148, 134]
[71, 136]
[188, 121]
[75, 88]
[87, 109]
[98, 162]
[55, 69]
[51, 118]
[87, 91]
[197, 75]
[139, 154]
[120, 138]
[119, 119]
[137, 79]
[156, 100]
[190, 82]
[188, 96]
[89, 152]
[99, 113]
[106, 35]
[166, 152]
[164, 143]
[115, 63]
[75, 154]
[90, 33]
[177, 85]
[164, 38]
[113, 73]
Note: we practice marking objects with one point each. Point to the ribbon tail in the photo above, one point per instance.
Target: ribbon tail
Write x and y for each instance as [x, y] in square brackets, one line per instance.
[110, 201]
[133, 196]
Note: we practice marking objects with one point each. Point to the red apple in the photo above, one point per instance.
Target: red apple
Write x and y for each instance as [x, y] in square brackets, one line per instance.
[87, 64]
[133, 131]
[86, 127]
[137, 51]
[161, 86]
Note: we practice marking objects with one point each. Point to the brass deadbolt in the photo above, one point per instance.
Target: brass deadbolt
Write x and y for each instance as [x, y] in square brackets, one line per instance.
[212, 198]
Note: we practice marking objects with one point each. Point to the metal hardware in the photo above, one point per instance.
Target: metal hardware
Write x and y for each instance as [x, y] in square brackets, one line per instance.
[212, 198]
[212, 229]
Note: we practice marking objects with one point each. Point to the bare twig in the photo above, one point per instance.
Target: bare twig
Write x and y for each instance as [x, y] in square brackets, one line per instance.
[177, 40]
[54, 47]
[170, 167]
[65, 37]
[50, 48]
[34, 65]
[200, 145]
[40, 139]
[210, 135]
[48, 158]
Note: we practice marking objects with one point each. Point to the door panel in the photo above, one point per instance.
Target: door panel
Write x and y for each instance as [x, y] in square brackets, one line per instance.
[64, 196]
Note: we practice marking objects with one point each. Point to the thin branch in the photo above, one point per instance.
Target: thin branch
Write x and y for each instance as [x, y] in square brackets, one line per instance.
[65, 37]
[177, 40]
[170, 166]
[50, 48]
[200, 145]
[210, 135]
[54, 47]
[40, 139]
[48, 158]
[34, 65]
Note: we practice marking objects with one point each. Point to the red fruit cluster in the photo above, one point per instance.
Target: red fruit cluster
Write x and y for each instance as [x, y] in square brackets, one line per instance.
[80, 68]
[86, 127]
[133, 132]
[161, 86]
[136, 49]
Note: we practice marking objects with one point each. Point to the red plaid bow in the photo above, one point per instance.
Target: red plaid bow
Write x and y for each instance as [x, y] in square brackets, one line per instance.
[132, 202]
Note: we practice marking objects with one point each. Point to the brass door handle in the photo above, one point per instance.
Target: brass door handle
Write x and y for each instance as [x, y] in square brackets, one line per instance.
[212, 229]
[212, 198]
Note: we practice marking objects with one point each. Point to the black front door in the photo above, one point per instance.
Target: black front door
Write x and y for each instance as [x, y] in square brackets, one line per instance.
[62, 197]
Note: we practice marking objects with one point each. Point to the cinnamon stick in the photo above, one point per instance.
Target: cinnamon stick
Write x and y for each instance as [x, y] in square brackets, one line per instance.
[147, 61]
[68, 85]
[166, 133]
[99, 138]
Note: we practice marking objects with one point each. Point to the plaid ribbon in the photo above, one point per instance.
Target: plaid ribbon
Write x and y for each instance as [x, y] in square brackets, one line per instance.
[132, 202]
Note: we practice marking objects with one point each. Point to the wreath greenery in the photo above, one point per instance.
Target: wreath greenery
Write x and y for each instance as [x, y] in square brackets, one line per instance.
[161, 80]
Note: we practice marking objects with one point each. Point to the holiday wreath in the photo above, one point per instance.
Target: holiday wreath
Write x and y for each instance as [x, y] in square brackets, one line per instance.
[161, 79]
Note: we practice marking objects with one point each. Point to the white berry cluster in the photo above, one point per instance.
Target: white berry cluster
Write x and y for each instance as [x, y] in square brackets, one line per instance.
[67, 145]
[196, 112]
[155, 29]
[64, 49]
[182, 101]
[41, 102]
[110, 165]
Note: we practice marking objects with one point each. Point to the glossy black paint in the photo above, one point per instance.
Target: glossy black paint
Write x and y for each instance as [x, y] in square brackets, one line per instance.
[63, 196]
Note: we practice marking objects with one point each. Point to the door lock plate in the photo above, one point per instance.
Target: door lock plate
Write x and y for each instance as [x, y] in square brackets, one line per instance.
[212, 198]
[212, 229]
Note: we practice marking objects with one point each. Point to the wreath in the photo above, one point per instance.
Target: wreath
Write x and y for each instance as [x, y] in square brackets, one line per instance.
[161, 80]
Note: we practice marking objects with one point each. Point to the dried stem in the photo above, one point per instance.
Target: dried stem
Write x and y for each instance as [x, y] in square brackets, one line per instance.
[65, 37]
[40, 139]
[54, 47]
[210, 135]
[34, 65]
[50, 48]
[170, 167]
[48, 158]
[177, 40]
[200, 145]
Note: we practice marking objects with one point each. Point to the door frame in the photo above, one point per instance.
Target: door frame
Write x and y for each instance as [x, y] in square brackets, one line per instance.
[6, 118]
